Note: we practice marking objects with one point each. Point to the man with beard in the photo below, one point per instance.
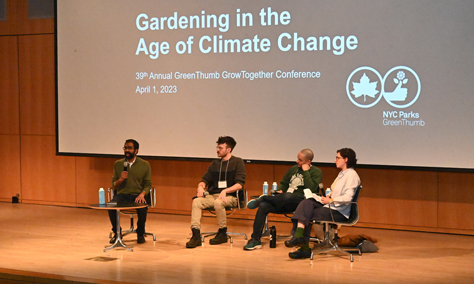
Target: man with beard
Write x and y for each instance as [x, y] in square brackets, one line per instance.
[217, 189]
[132, 181]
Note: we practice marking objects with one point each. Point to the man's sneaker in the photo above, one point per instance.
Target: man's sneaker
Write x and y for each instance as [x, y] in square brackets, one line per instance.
[252, 204]
[294, 242]
[301, 253]
[195, 240]
[114, 238]
[220, 238]
[253, 244]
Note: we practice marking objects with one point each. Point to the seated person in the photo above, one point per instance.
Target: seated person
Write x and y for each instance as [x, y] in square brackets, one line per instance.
[317, 208]
[223, 178]
[300, 176]
[133, 184]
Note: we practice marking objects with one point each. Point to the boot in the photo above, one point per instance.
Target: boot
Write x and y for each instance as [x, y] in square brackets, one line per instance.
[220, 238]
[195, 239]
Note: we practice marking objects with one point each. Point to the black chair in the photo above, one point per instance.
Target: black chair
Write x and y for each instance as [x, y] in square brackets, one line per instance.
[242, 200]
[111, 192]
[328, 245]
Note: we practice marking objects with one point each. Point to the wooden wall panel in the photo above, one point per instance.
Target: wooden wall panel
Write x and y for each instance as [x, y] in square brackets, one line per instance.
[399, 197]
[10, 183]
[456, 200]
[10, 26]
[256, 175]
[45, 177]
[176, 183]
[92, 174]
[9, 91]
[37, 85]
[32, 26]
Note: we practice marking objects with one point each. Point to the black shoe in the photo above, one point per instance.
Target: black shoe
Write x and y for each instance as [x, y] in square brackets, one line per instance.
[220, 238]
[140, 238]
[195, 240]
[300, 254]
[114, 238]
[295, 242]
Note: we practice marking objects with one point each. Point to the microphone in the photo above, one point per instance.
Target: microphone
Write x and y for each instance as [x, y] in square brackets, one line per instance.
[321, 189]
[125, 166]
[205, 194]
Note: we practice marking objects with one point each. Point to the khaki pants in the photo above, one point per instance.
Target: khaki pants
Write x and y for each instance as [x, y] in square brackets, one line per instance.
[201, 203]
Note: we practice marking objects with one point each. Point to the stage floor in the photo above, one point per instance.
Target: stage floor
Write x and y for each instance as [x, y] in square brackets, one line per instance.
[50, 244]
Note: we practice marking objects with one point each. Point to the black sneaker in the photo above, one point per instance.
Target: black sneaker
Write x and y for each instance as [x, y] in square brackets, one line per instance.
[294, 242]
[114, 238]
[300, 254]
[140, 238]
[220, 238]
[195, 240]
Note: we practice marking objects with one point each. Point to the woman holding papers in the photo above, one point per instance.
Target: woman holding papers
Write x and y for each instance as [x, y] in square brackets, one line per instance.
[315, 207]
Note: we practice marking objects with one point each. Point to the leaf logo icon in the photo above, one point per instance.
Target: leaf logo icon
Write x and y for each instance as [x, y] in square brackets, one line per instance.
[364, 88]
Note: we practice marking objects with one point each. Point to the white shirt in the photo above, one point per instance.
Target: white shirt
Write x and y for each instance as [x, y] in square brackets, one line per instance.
[343, 189]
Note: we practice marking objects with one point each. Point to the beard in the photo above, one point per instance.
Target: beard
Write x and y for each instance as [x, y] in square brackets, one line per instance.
[129, 155]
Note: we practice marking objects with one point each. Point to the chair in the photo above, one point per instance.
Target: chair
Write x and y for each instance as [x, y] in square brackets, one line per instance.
[111, 192]
[329, 225]
[242, 200]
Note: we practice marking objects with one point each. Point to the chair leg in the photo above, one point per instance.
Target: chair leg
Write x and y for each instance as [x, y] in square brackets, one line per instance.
[150, 234]
[132, 228]
[236, 234]
[327, 245]
[266, 231]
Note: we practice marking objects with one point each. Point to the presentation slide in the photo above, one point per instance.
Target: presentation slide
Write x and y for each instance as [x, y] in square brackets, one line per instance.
[392, 79]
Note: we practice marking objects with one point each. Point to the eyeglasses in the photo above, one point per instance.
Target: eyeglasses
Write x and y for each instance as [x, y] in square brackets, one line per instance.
[128, 147]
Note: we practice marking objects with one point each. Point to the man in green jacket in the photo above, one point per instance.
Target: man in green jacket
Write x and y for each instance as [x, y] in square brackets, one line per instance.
[300, 176]
[132, 181]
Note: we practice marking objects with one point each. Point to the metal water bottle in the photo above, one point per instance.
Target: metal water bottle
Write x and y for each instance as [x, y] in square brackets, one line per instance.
[101, 196]
[273, 237]
[265, 188]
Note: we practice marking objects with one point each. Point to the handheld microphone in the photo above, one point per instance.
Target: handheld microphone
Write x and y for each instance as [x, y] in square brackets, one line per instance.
[205, 194]
[321, 189]
[125, 166]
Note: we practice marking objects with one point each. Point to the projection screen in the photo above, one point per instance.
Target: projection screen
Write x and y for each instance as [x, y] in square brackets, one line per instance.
[391, 79]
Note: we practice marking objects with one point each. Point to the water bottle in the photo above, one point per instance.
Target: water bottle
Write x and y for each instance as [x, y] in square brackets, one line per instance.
[328, 192]
[273, 237]
[101, 196]
[265, 188]
[274, 187]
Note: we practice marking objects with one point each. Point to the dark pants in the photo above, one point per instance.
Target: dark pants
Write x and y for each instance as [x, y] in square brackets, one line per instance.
[283, 203]
[141, 213]
[310, 209]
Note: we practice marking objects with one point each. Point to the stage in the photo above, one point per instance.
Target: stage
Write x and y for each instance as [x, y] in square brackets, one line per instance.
[51, 244]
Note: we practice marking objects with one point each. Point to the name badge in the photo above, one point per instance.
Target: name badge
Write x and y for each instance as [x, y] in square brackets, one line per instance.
[222, 184]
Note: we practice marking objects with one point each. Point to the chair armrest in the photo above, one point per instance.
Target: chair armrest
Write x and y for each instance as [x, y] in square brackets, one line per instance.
[110, 193]
[152, 197]
[241, 200]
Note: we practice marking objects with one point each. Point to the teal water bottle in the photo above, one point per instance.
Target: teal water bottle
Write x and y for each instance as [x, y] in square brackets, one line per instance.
[101, 196]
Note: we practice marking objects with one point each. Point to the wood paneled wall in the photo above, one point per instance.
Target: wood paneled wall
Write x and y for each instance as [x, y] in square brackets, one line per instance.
[396, 199]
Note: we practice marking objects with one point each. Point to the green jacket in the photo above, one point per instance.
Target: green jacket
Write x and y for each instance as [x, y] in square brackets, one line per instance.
[139, 177]
[298, 179]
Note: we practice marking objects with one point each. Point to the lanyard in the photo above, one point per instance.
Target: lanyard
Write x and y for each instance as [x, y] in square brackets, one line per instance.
[220, 169]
